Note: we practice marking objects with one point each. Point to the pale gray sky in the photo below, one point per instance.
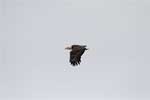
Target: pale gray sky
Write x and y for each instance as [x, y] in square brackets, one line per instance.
[34, 64]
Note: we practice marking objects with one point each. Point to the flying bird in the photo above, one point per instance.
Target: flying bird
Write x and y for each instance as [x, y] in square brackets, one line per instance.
[76, 53]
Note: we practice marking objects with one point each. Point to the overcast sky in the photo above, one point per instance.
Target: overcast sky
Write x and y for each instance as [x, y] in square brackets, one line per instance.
[35, 66]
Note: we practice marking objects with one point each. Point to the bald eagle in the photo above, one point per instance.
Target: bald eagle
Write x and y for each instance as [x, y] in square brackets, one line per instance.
[76, 53]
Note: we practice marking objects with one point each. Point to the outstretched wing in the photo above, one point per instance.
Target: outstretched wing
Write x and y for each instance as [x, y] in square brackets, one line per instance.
[75, 56]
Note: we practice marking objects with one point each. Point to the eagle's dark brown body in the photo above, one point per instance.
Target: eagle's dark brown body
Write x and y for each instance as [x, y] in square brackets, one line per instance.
[76, 53]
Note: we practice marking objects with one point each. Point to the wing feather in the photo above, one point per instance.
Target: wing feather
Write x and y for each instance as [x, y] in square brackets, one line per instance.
[75, 56]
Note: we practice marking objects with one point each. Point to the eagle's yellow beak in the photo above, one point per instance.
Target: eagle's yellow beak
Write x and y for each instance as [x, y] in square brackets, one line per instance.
[68, 48]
